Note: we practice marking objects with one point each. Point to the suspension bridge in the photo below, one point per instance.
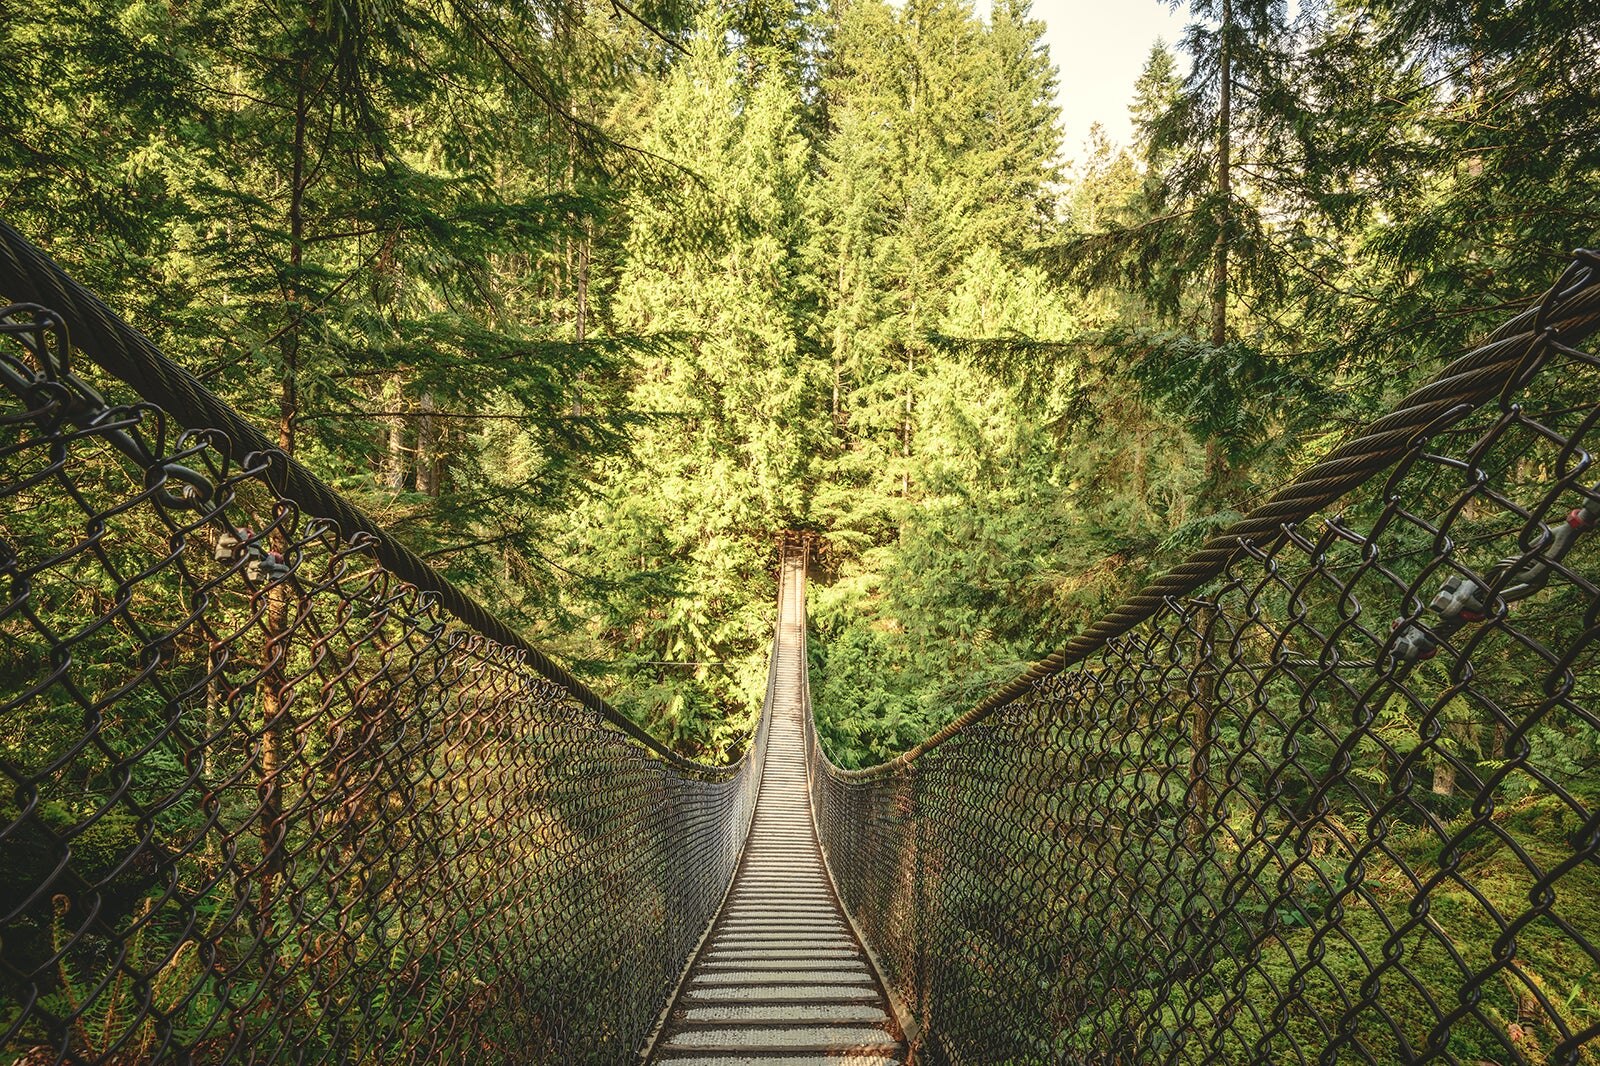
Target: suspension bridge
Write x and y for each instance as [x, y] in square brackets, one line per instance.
[273, 791]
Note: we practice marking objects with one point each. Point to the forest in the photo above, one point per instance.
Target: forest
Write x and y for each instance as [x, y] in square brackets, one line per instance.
[591, 304]
[587, 302]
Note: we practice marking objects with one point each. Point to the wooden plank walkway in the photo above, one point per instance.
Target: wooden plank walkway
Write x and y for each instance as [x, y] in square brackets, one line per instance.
[781, 979]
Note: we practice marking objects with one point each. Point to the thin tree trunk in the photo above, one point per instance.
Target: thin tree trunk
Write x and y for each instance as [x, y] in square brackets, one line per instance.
[429, 461]
[839, 345]
[1201, 712]
[1217, 470]
[394, 452]
[274, 688]
[274, 732]
[585, 251]
[1216, 466]
[580, 308]
[394, 457]
[1141, 475]
[1460, 735]
[910, 402]
[289, 340]
[1219, 266]
[905, 472]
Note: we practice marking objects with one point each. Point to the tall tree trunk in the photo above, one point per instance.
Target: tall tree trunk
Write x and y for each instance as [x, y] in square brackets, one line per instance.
[274, 734]
[1459, 735]
[905, 445]
[1217, 471]
[838, 426]
[430, 461]
[580, 307]
[839, 341]
[393, 475]
[1219, 265]
[289, 339]
[274, 689]
[1444, 777]
[394, 452]
[581, 291]
[1141, 474]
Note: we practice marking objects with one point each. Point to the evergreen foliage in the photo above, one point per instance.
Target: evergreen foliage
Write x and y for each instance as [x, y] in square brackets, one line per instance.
[588, 302]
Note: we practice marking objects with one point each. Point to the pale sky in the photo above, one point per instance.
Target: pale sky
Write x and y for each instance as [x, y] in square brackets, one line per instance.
[1099, 48]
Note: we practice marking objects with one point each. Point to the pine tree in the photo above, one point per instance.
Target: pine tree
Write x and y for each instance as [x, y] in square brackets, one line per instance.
[941, 140]
[684, 526]
[1209, 248]
[1446, 221]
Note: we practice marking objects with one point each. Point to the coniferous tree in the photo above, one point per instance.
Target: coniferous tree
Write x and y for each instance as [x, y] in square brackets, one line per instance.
[1206, 251]
[684, 526]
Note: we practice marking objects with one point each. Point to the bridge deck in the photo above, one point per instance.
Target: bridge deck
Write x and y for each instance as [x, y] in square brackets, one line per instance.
[781, 980]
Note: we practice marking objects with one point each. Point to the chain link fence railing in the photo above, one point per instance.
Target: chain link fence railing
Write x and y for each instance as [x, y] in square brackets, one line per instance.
[1329, 792]
[263, 800]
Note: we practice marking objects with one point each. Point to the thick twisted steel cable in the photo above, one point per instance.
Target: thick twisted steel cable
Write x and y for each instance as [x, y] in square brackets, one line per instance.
[1567, 314]
[28, 275]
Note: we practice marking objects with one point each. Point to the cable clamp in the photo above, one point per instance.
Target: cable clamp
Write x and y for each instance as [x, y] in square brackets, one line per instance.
[265, 566]
[1413, 644]
[230, 546]
[1459, 597]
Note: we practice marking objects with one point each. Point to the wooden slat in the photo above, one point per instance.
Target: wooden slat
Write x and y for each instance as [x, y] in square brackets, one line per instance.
[781, 978]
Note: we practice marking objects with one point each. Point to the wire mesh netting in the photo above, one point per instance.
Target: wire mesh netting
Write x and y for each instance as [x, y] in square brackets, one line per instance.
[1336, 801]
[263, 801]
[1327, 792]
